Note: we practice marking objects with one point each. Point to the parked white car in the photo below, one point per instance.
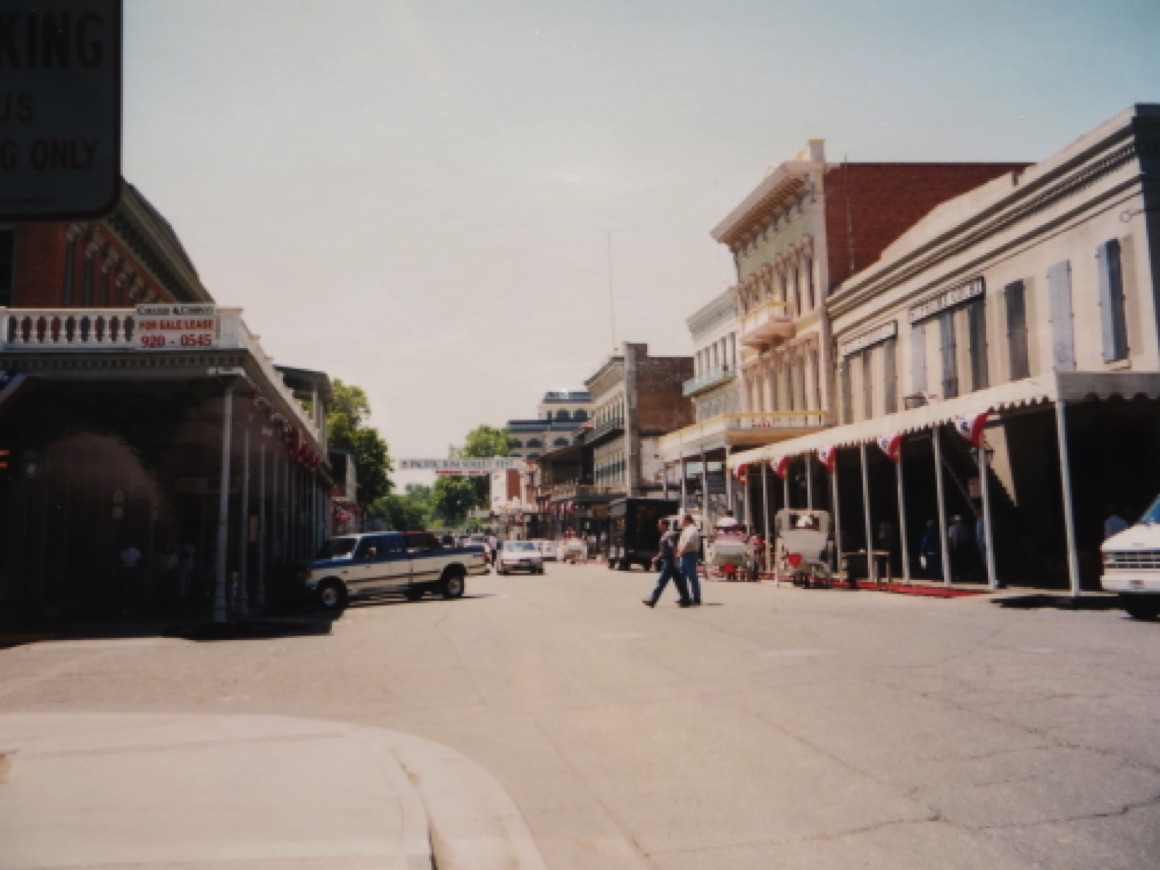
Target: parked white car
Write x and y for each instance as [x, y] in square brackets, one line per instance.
[519, 556]
[1132, 565]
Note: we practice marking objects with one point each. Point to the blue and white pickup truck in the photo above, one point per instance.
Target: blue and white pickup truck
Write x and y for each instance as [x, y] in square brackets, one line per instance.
[386, 563]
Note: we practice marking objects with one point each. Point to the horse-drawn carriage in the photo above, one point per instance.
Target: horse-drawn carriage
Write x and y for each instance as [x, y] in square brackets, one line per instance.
[803, 547]
[729, 551]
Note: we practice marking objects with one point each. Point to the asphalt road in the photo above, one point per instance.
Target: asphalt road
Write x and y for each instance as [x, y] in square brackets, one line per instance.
[767, 728]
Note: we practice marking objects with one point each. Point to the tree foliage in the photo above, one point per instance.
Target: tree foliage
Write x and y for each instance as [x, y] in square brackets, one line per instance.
[348, 429]
[455, 497]
[412, 510]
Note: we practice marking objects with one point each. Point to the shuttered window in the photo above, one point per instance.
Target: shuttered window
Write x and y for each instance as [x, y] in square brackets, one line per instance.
[890, 376]
[977, 331]
[918, 359]
[1113, 325]
[867, 383]
[950, 362]
[1062, 329]
[1018, 361]
[847, 392]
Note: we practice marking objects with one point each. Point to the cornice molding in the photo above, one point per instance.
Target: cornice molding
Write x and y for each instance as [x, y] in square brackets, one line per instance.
[1022, 204]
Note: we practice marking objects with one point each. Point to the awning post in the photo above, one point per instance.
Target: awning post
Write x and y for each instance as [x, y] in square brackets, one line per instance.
[765, 514]
[870, 566]
[810, 481]
[837, 516]
[942, 508]
[728, 481]
[223, 527]
[988, 536]
[904, 549]
[243, 591]
[260, 586]
[1068, 509]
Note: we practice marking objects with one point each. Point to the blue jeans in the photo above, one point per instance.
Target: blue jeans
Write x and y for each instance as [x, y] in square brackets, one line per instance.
[669, 572]
[689, 570]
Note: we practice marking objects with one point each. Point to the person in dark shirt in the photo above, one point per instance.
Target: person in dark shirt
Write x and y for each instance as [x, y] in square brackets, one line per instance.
[666, 558]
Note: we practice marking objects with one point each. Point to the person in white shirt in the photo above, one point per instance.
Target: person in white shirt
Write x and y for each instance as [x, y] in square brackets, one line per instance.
[689, 554]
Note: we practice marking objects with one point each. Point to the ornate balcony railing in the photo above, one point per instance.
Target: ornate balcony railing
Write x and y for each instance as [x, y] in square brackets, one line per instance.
[607, 427]
[563, 491]
[778, 420]
[767, 323]
[97, 330]
[705, 380]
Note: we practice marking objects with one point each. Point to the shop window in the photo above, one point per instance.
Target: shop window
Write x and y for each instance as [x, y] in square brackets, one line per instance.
[1062, 328]
[1113, 326]
[1019, 363]
[977, 346]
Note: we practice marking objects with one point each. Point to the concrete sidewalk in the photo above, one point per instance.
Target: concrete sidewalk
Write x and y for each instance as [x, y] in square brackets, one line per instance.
[162, 790]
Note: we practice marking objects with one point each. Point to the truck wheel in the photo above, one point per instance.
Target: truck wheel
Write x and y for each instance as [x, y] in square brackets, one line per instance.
[1141, 606]
[453, 586]
[624, 565]
[331, 595]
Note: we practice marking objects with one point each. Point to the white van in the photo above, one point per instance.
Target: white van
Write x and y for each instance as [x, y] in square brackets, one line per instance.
[1131, 562]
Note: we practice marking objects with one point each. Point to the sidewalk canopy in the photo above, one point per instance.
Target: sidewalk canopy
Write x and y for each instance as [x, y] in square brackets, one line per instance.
[1067, 387]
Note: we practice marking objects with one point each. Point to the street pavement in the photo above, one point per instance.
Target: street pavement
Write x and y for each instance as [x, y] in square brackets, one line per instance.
[771, 727]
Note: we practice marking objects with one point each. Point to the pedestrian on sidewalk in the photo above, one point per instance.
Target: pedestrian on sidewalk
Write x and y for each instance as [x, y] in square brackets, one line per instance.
[930, 551]
[666, 559]
[689, 553]
[958, 539]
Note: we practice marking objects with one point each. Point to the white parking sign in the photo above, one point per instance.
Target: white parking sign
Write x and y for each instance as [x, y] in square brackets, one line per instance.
[60, 108]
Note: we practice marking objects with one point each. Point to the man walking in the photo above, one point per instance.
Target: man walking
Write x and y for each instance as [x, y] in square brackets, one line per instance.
[667, 558]
[689, 552]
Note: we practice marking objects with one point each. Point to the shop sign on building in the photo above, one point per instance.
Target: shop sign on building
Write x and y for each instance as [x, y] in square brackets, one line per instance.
[933, 305]
[60, 109]
[467, 467]
[176, 327]
[869, 337]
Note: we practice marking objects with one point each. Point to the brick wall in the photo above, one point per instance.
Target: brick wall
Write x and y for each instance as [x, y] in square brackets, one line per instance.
[39, 267]
[873, 204]
[660, 406]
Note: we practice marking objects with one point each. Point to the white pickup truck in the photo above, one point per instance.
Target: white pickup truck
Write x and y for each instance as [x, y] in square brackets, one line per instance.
[1132, 565]
[386, 563]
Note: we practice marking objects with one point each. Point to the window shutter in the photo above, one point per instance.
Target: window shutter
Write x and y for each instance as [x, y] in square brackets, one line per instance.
[1113, 327]
[847, 393]
[950, 364]
[1017, 330]
[1062, 329]
[977, 327]
[918, 359]
[890, 376]
[868, 383]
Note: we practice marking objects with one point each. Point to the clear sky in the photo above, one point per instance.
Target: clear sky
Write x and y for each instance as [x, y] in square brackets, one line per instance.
[461, 205]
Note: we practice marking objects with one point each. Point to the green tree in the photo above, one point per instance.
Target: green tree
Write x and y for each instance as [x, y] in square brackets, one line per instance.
[412, 510]
[454, 497]
[347, 429]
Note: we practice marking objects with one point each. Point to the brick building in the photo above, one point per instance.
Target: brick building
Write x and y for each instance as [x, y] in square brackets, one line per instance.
[1031, 302]
[765, 374]
[162, 430]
